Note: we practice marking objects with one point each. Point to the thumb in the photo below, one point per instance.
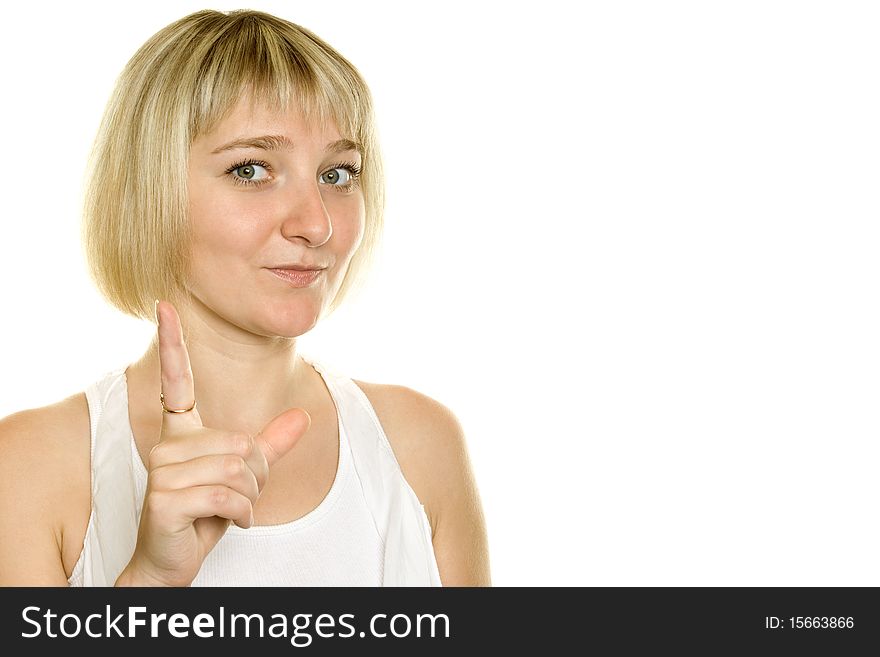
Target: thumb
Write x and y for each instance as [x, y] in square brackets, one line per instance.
[282, 432]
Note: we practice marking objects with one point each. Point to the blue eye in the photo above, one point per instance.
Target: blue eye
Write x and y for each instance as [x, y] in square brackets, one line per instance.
[334, 175]
[248, 173]
[353, 174]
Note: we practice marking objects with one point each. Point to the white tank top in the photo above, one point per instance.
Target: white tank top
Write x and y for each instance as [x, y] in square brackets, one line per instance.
[370, 529]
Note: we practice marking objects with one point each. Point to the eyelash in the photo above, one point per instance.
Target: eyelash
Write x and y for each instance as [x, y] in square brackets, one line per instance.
[353, 169]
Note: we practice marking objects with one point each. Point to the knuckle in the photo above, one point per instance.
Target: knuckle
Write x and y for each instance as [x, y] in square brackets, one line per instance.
[156, 455]
[153, 504]
[233, 465]
[241, 443]
[178, 377]
[219, 496]
[157, 478]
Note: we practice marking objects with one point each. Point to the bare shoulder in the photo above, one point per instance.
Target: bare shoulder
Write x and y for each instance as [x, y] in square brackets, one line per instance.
[51, 434]
[429, 442]
[421, 430]
[44, 485]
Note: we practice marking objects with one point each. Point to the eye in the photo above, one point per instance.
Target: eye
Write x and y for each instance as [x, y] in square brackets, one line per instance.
[249, 172]
[351, 173]
[333, 176]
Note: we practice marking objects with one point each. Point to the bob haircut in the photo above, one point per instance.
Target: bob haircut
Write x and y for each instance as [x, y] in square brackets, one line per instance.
[136, 231]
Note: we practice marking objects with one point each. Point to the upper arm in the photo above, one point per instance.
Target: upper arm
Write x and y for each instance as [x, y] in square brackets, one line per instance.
[429, 443]
[30, 488]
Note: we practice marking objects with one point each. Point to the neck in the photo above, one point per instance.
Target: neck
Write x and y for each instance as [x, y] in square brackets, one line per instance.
[241, 380]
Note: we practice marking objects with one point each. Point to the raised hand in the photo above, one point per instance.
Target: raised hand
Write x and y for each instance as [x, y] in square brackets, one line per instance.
[199, 479]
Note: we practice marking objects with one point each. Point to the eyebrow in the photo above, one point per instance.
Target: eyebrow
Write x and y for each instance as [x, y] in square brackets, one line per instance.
[280, 142]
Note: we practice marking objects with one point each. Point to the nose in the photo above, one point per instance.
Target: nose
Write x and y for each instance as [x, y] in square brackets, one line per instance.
[303, 213]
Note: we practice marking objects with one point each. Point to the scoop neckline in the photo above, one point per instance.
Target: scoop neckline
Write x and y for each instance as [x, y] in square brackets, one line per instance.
[324, 506]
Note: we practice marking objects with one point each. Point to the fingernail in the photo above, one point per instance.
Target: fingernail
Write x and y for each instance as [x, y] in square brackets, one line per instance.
[252, 520]
[156, 311]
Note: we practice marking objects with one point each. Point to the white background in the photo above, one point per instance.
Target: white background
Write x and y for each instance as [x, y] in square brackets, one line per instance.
[632, 245]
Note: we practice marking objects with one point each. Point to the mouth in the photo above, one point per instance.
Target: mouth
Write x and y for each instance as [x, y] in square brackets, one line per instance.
[296, 266]
[297, 277]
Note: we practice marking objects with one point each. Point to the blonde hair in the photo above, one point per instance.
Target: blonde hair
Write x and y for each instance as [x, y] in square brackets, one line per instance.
[136, 231]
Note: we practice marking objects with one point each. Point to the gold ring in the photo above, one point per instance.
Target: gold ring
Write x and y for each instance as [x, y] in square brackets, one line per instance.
[171, 410]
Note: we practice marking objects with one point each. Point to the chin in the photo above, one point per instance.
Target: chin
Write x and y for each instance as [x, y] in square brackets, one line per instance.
[292, 325]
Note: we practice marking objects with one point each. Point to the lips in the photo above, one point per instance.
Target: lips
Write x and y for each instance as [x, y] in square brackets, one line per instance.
[298, 267]
[297, 277]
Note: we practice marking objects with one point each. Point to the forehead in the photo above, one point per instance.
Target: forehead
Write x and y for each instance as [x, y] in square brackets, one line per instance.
[247, 119]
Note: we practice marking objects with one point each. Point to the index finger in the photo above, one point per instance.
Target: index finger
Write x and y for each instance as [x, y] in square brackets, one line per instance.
[176, 378]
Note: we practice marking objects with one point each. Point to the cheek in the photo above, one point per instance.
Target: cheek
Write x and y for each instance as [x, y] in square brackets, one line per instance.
[352, 230]
[222, 225]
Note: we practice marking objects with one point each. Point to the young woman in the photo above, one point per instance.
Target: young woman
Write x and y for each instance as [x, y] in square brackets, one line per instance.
[235, 198]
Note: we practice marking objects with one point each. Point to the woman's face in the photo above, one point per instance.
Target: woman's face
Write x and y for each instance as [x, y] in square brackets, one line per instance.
[265, 192]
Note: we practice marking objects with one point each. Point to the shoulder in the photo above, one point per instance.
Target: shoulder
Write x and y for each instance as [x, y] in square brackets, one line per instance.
[417, 421]
[50, 426]
[429, 442]
[408, 408]
[46, 444]
[44, 469]
[48, 435]
[424, 435]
